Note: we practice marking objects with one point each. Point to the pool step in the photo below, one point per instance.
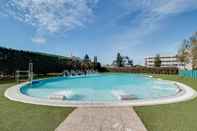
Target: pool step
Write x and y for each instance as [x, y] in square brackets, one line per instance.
[102, 119]
[57, 97]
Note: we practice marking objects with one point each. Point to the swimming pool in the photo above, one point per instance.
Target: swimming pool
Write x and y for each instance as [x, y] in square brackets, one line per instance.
[106, 88]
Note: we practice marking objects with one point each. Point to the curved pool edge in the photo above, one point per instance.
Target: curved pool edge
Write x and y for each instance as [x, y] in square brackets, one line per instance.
[187, 93]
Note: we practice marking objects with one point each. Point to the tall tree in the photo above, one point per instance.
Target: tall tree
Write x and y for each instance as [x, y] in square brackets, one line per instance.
[130, 62]
[194, 50]
[157, 61]
[119, 60]
[95, 59]
[95, 62]
[184, 52]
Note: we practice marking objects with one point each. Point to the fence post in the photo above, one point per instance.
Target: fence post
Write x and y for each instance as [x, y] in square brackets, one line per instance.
[31, 72]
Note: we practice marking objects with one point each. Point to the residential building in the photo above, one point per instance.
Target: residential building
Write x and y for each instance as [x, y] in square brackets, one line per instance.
[166, 61]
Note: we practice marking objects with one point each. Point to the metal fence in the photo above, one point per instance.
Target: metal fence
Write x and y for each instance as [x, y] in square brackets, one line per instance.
[188, 73]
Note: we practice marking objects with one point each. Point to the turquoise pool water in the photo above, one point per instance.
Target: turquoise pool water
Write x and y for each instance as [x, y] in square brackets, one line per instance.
[101, 87]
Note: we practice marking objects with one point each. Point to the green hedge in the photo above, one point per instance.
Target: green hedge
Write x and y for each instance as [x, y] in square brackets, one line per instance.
[158, 70]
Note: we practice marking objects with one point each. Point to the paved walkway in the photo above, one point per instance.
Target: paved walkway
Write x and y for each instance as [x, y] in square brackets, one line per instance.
[102, 119]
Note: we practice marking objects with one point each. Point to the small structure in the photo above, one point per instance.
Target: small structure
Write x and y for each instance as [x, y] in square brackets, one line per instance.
[25, 75]
[167, 61]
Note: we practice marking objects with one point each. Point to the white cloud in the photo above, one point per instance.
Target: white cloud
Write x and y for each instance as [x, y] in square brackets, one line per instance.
[51, 15]
[154, 11]
[177, 6]
[39, 40]
[151, 14]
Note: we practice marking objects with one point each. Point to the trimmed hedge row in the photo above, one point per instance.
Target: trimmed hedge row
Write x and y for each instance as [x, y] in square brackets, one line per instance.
[156, 70]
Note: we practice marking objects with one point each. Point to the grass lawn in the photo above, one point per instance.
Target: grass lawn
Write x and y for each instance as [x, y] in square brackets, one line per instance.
[15, 116]
[171, 117]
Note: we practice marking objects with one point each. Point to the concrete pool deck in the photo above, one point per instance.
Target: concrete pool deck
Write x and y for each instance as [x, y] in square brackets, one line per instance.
[102, 119]
[186, 93]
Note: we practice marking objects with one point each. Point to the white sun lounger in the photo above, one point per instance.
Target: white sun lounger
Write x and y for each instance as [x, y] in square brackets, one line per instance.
[57, 97]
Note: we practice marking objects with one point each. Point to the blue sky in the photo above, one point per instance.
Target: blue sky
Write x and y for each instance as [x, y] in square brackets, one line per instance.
[136, 28]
